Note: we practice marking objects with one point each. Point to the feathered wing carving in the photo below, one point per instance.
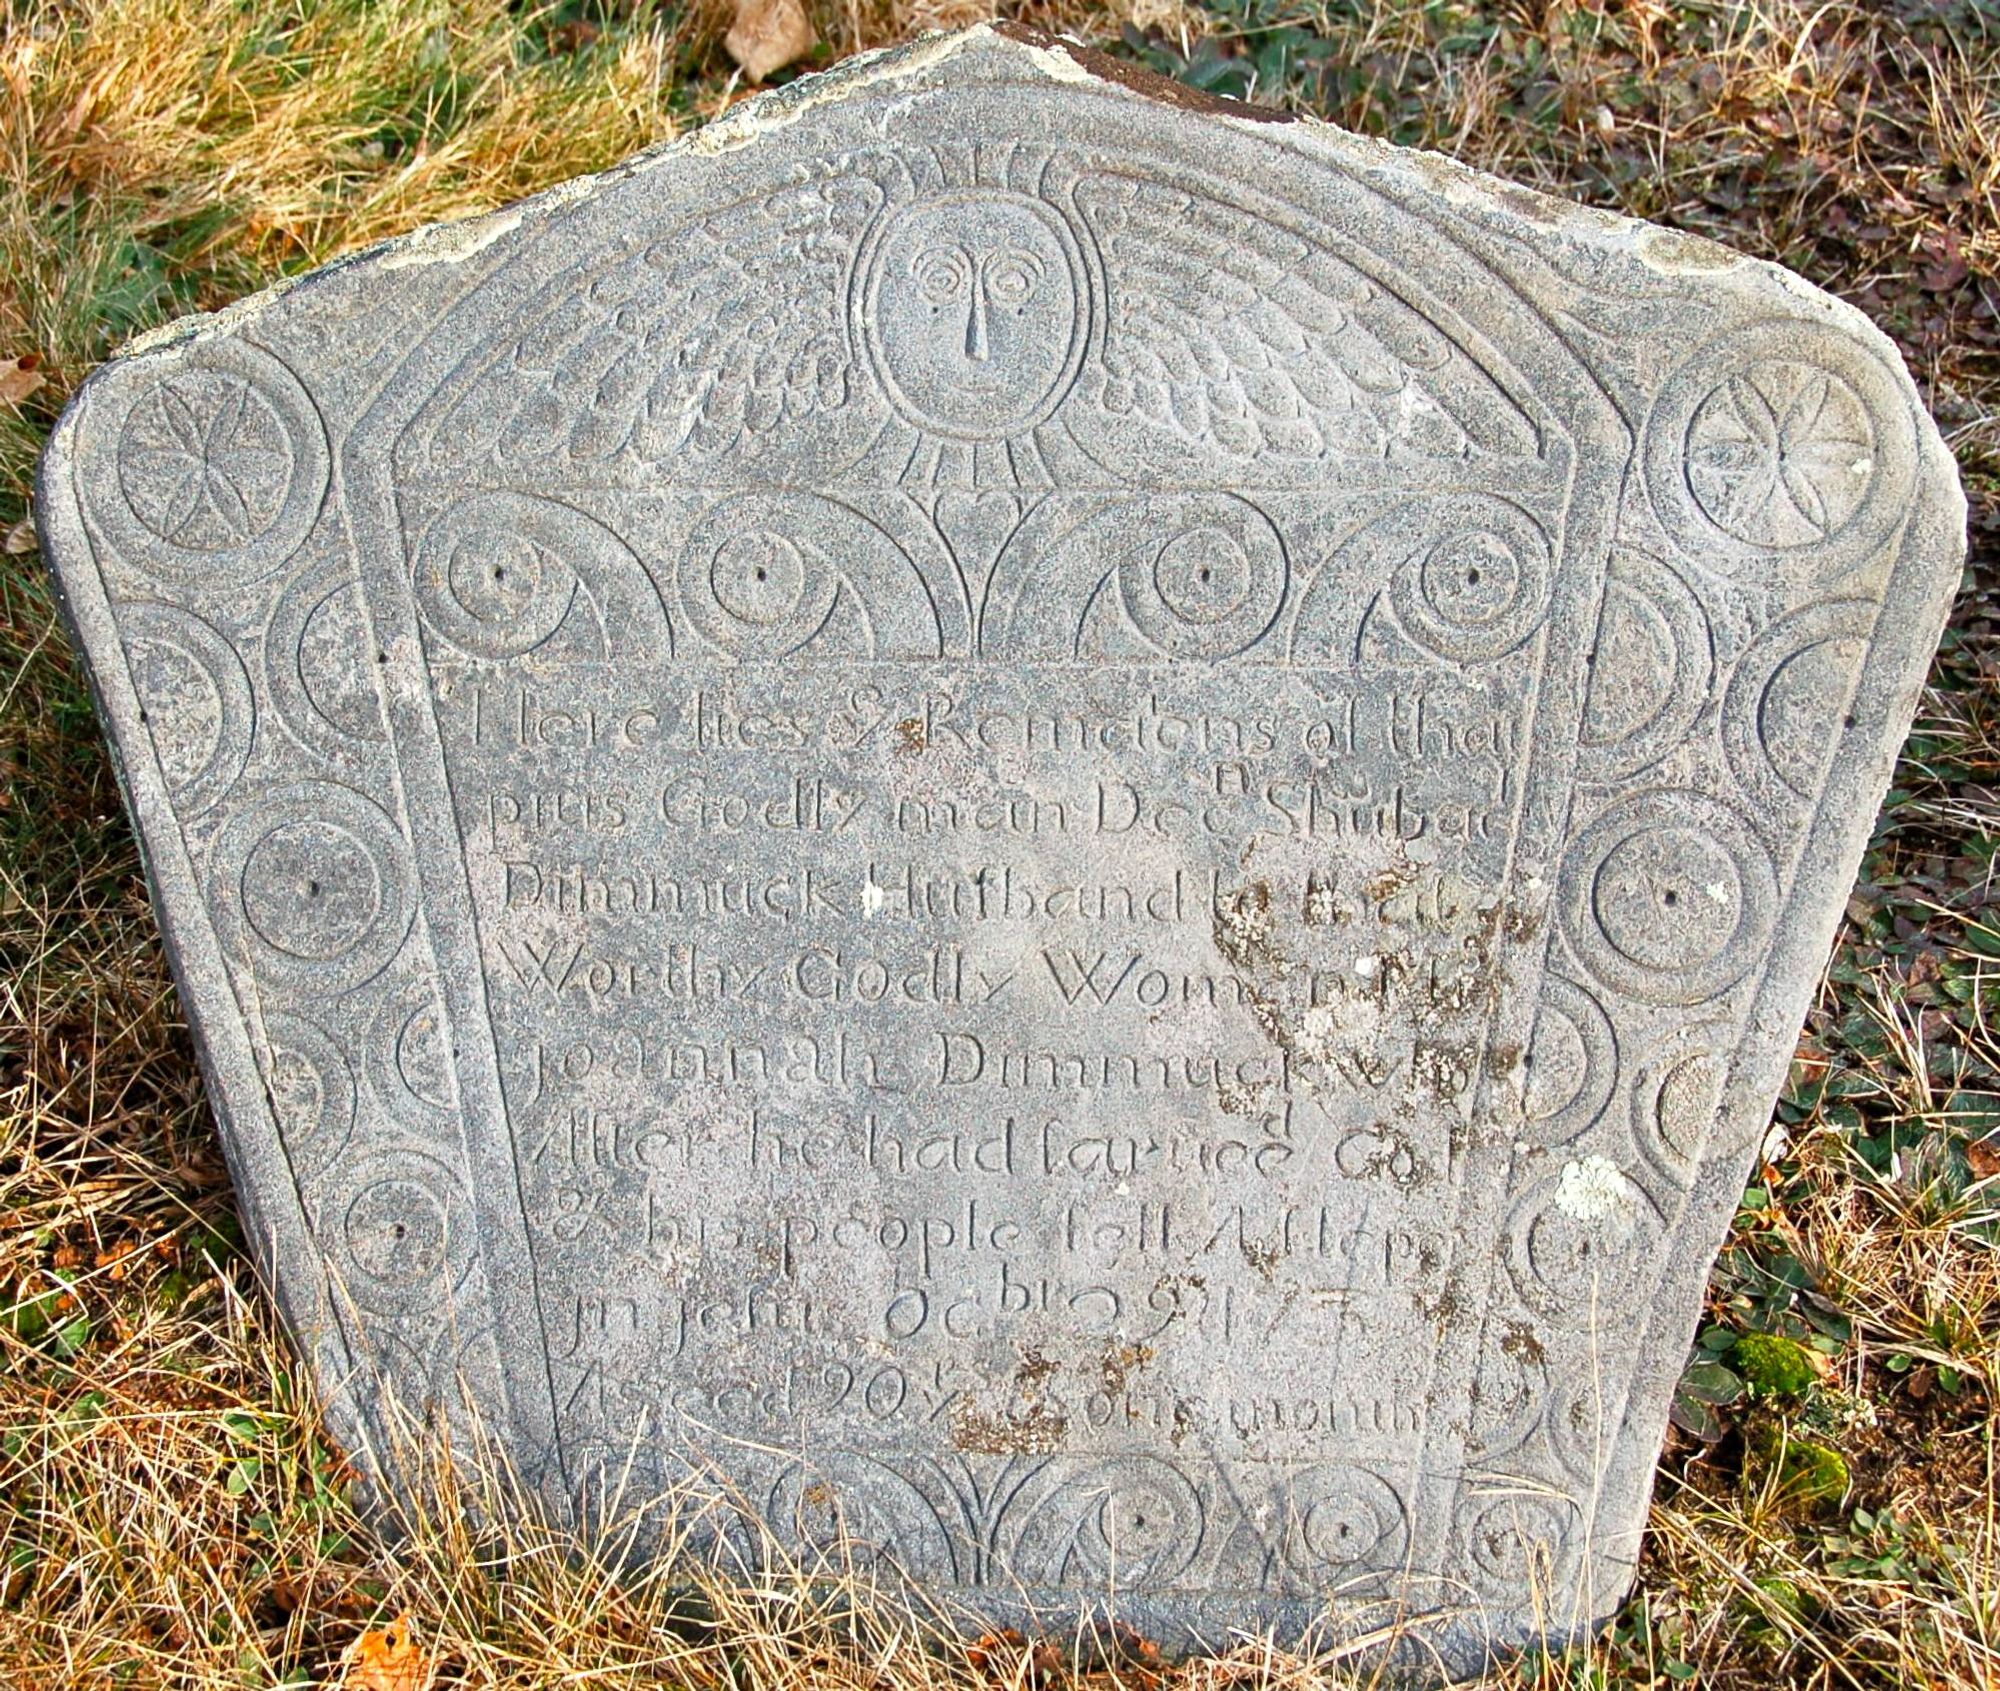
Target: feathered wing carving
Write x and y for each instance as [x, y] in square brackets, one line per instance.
[1227, 341]
[720, 337]
[1229, 338]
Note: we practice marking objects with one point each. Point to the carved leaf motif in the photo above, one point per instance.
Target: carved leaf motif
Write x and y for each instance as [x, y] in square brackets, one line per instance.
[695, 343]
[1232, 335]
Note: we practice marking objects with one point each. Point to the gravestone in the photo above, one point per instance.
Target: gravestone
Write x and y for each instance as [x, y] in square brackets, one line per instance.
[1064, 833]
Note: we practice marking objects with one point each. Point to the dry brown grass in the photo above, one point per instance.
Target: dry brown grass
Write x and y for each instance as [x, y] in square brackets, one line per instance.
[171, 1515]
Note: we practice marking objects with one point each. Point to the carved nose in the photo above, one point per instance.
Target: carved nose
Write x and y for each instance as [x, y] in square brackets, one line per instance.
[975, 328]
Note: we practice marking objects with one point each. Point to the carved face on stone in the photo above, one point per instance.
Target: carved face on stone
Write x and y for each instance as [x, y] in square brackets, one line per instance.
[972, 309]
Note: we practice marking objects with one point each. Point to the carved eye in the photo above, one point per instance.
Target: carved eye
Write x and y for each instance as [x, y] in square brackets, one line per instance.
[1011, 276]
[942, 274]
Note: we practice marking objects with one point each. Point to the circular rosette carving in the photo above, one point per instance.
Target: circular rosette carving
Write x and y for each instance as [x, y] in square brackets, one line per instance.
[1780, 439]
[319, 659]
[855, 1510]
[395, 1399]
[1572, 1063]
[1582, 1420]
[1470, 577]
[633, 1490]
[195, 699]
[1783, 714]
[399, 1230]
[974, 308]
[1207, 577]
[1677, 1094]
[219, 462]
[313, 887]
[1510, 1389]
[467, 1384]
[409, 1062]
[610, 1483]
[1342, 1521]
[764, 575]
[499, 574]
[490, 586]
[1193, 576]
[1668, 897]
[1651, 668]
[311, 1089]
[1582, 1242]
[1119, 1520]
[1520, 1545]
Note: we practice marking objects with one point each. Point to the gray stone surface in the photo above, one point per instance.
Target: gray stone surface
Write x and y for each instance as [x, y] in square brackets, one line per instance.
[1074, 829]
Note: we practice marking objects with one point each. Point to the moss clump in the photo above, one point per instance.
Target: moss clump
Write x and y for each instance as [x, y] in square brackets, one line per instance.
[1811, 1474]
[1783, 1597]
[1773, 1366]
[1805, 1476]
[1775, 1610]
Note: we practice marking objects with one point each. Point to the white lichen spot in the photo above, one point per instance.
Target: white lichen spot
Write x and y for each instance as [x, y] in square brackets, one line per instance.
[1317, 1030]
[1592, 1188]
[872, 899]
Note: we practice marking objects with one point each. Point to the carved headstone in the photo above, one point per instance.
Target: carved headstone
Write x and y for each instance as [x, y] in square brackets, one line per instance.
[1070, 830]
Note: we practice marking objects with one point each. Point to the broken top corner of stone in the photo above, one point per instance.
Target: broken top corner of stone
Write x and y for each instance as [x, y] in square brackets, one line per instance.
[1017, 824]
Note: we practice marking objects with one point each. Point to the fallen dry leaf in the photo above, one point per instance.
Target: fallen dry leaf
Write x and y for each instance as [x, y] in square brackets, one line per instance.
[21, 539]
[387, 1660]
[19, 377]
[1983, 1156]
[768, 35]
